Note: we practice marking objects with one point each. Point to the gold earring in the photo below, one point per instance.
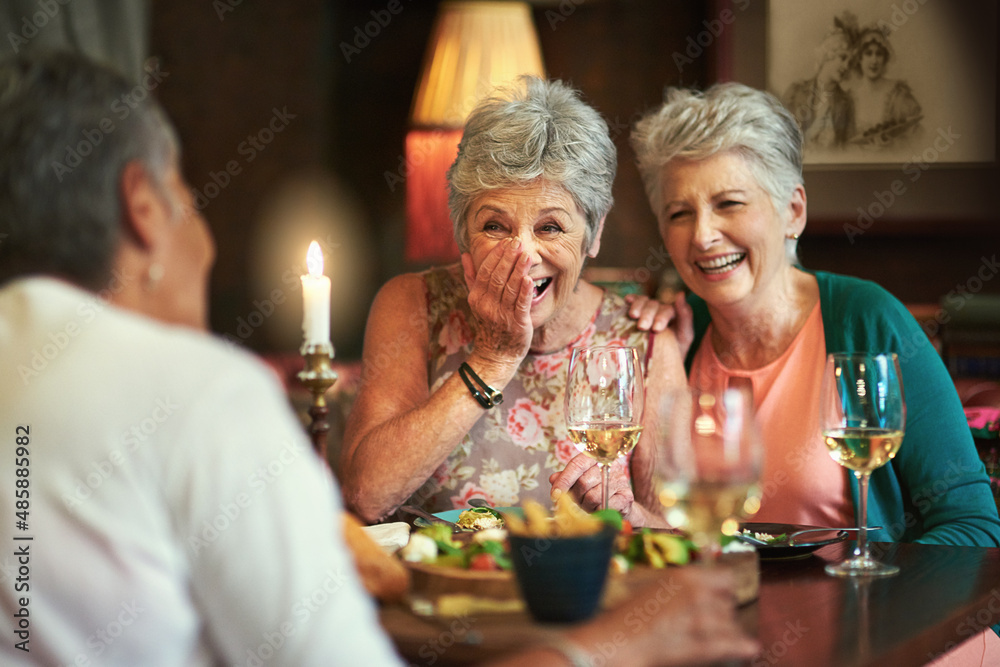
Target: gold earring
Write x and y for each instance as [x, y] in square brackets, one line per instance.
[793, 237]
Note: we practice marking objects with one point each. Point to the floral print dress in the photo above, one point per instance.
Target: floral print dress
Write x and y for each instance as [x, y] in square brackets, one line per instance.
[508, 455]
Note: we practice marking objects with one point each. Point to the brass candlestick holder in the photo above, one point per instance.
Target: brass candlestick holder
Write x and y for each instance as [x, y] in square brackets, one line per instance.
[318, 376]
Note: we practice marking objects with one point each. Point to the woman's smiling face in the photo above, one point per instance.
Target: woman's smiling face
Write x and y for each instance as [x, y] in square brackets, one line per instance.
[552, 230]
[721, 229]
[873, 60]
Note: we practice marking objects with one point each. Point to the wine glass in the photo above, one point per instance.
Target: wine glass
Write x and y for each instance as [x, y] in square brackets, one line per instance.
[604, 401]
[862, 417]
[708, 461]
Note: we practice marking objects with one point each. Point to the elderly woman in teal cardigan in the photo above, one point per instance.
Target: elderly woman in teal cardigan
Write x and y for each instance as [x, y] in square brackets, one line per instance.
[723, 172]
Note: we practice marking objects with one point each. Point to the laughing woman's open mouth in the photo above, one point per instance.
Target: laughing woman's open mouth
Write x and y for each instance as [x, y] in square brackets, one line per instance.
[541, 285]
[721, 264]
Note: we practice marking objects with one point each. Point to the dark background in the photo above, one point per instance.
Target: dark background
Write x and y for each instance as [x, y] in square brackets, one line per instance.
[230, 70]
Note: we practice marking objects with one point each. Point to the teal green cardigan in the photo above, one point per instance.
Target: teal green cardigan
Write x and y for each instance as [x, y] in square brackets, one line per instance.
[936, 489]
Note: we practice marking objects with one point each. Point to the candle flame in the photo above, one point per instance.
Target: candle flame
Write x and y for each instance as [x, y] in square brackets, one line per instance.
[314, 260]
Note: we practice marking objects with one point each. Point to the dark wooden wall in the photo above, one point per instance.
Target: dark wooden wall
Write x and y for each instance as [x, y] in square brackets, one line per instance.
[230, 70]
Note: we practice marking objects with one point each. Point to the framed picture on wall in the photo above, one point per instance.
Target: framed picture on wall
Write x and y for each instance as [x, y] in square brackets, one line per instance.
[887, 82]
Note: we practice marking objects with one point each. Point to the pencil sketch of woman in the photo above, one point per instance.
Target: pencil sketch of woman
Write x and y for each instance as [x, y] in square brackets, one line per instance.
[823, 109]
[886, 114]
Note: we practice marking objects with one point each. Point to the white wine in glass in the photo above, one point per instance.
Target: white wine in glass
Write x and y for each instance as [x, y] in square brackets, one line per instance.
[709, 457]
[863, 417]
[605, 442]
[604, 402]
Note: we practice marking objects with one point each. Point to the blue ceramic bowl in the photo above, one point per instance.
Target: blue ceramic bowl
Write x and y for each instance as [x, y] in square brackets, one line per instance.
[562, 578]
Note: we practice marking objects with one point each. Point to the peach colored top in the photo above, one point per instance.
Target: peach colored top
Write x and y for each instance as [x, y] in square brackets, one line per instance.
[801, 483]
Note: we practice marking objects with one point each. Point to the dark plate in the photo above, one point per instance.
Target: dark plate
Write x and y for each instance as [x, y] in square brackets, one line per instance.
[803, 546]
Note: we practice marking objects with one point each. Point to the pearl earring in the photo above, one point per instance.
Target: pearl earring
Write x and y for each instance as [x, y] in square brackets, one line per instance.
[154, 274]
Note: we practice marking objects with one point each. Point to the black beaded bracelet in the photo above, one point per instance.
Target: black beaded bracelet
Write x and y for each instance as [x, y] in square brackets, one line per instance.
[486, 395]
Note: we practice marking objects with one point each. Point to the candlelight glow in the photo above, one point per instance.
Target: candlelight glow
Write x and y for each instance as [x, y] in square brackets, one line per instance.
[314, 260]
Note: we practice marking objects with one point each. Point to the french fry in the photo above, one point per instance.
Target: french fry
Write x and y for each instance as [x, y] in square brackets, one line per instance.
[571, 521]
[515, 524]
[537, 519]
[568, 520]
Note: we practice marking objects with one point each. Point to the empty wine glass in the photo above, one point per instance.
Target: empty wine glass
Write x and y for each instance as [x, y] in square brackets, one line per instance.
[862, 416]
[604, 402]
[708, 461]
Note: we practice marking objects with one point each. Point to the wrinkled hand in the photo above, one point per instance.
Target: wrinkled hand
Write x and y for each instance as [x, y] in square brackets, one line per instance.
[582, 478]
[655, 316]
[500, 294]
[687, 618]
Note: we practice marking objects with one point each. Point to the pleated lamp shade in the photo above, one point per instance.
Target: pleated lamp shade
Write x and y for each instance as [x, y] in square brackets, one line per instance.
[474, 47]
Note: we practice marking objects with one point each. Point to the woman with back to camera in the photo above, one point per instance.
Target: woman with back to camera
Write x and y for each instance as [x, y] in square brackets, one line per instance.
[723, 173]
[529, 192]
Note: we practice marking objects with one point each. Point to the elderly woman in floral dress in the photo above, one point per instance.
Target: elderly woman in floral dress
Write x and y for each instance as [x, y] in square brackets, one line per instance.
[528, 193]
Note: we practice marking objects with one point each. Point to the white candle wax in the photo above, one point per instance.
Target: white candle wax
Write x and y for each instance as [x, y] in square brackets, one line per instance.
[316, 299]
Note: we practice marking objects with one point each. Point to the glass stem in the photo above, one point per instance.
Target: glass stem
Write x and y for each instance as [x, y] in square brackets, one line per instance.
[605, 477]
[861, 551]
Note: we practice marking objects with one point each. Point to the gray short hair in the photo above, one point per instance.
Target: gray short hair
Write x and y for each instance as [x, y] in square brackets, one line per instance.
[66, 134]
[537, 129]
[728, 117]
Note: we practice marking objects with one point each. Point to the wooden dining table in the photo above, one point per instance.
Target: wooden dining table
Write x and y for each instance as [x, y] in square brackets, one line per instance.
[942, 596]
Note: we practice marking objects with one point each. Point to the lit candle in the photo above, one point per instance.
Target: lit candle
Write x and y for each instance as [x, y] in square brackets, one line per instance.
[316, 298]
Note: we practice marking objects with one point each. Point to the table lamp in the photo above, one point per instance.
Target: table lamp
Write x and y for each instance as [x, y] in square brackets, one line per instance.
[474, 47]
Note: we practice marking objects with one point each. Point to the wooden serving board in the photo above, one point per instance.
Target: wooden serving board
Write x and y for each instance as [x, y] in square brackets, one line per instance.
[479, 635]
[432, 581]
